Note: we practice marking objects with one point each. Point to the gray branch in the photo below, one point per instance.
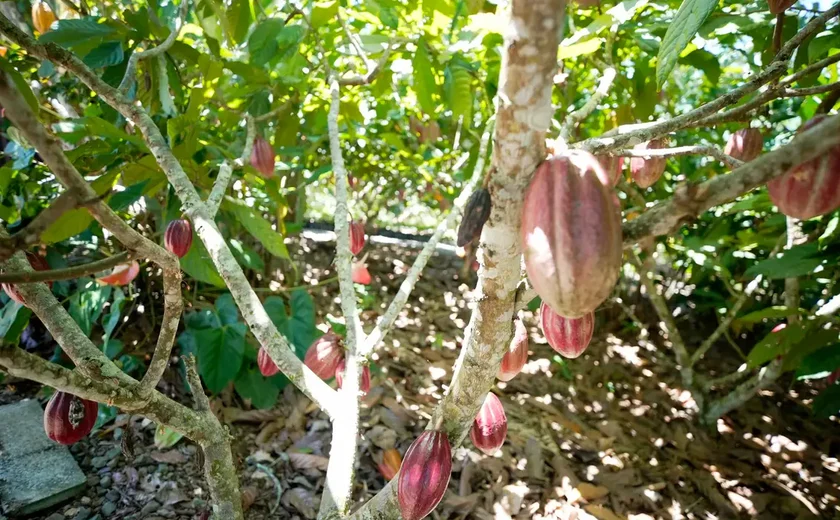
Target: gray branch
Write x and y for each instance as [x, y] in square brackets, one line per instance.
[711, 151]
[214, 200]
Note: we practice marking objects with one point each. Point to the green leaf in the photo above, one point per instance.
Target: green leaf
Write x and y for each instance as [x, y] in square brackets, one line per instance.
[775, 344]
[86, 306]
[579, 49]
[226, 309]
[459, 94]
[680, 32]
[13, 319]
[112, 348]
[323, 12]
[424, 78]
[769, 313]
[240, 16]
[22, 85]
[705, 61]
[70, 33]
[125, 198]
[246, 256]
[275, 306]
[166, 438]
[827, 403]
[220, 353]
[113, 317]
[302, 331]
[819, 364]
[259, 228]
[106, 55]
[797, 261]
[198, 265]
[252, 385]
[262, 45]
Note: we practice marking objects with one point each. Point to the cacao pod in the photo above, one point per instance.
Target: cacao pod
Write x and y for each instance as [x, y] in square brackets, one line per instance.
[360, 273]
[38, 263]
[42, 16]
[324, 355]
[745, 144]
[262, 157]
[390, 464]
[779, 6]
[833, 376]
[809, 189]
[267, 366]
[517, 353]
[424, 474]
[571, 234]
[68, 418]
[364, 382]
[646, 171]
[121, 275]
[476, 213]
[568, 336]
[613, 166]
[490, 425]
[357, 237]
[178, 237]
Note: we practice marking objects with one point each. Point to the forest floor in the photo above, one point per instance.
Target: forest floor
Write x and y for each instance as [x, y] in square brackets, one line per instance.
[610, 435]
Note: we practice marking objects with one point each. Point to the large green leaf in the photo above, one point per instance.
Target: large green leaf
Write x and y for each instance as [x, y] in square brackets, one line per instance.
[457, 81]
[73, 32]
[302, 331]
[86, 306]
[114, 311]
[220, 353]
[198, 265]
[424, 78]
[13, 319]
[250, 384]
[819, 364]
[680, 32]
[828, 403]
[259, 228]
[276, 309]
[262, 45]
[226, 309]
[107, 54]
[797, 261]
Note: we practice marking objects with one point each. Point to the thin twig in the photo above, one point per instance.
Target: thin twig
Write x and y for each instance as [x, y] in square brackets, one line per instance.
[371, 73]
[607, 78]
[68, 273]
[214, 200]
[712, 151]
[202, 403]
[810, 91]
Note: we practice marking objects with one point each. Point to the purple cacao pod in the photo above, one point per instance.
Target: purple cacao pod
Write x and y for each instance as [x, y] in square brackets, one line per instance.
[745, 144]
[262, 157]
[38, 263]
[424, 474]
[568, 336]
[364, 382]
[571, 234]
[490, 425]
[357, 237]
[266, 365]
[324, 355]
[178, 237]
[613, 166]
[517, 353]
[809, 189]
[68, 418]
[646, 171]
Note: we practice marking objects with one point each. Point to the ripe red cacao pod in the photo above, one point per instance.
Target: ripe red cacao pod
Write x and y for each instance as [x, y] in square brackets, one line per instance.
[568, 336]
[364, 382]
[809, 189]
[38, 263]
[571, 233]
[490, 425]
[646, 171]
[267, 366]
[121, 275]
[476, 213]
[262, 157]
[357, 237]
[613, 166]
[360, 273]
[424, 474]
[178, 237]
[68, 418]
[779, 6]
[390, 465]
[324, 355]
[517, 353]
[745, 144]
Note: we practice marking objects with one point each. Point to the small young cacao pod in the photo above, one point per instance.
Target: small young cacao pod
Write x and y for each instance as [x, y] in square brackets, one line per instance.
[360, 273]
[42, 16]
[38, 263]
[262, 157]
[647, 170]
[178, 237]
[424, 474]
[267, 366]
[571, 233]
[68, 418]
[324, 355]
[812, 188]
[476, 213]
[517, 353]
[357, 237]
[613, 166]
[568, 336]
[779, 6]
[390, 465]
[490, 425]
[745, 144]
[121, 275]
[364, 382]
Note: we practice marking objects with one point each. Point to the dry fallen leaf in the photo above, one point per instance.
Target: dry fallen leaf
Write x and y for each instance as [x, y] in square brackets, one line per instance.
[602, 513]
[169, 457]
[308, 461]
[303, 500]
[591, 492]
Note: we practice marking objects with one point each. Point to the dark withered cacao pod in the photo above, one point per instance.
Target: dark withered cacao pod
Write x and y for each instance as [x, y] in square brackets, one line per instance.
[476, 213]
[68, 418]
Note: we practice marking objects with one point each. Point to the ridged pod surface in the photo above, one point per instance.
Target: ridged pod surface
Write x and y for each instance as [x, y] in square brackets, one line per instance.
[424, 474]
[262, 157]
[568, 336]
[324, 355]
[779, 6]
[745, 144]
[357, 237]
[489, 427]
[38, 263]
[67, 418]
[266, 365]
[517, 353]
[42, 16]
[364, 382]
[571, 234]
[613, 166]
[178, 237]
[811, 188]
[647, 170]
[121, 275]
[476, 213]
